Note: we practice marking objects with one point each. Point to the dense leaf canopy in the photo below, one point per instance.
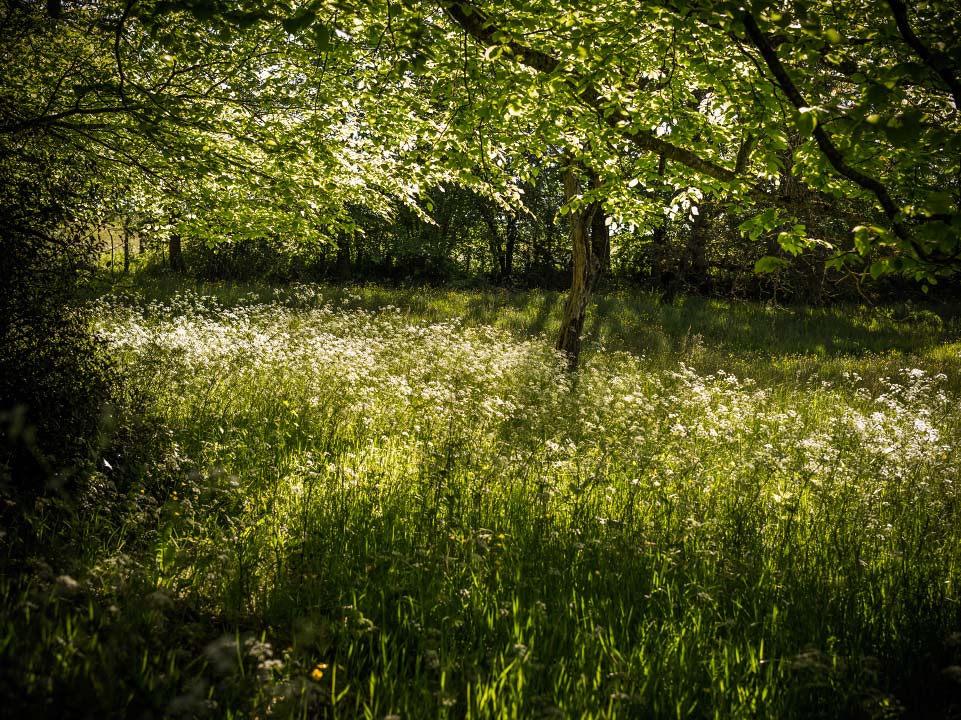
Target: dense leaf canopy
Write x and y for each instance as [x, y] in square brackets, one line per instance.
[241, 119]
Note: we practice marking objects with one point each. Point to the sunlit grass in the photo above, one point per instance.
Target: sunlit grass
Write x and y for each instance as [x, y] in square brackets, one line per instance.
[770, 344]
[384, 502]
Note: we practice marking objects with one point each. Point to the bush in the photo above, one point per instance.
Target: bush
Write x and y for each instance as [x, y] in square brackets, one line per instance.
[56, 395]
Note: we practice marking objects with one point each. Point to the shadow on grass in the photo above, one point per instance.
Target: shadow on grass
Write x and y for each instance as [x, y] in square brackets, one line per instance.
[768, 343]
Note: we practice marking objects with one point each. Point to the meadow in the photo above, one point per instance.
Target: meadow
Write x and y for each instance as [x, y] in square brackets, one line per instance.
[396, 503]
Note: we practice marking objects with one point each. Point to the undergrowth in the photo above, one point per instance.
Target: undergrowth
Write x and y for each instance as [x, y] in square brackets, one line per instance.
[370, 509]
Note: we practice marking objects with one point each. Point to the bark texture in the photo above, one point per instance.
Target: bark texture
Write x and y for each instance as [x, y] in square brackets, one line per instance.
[587, 267]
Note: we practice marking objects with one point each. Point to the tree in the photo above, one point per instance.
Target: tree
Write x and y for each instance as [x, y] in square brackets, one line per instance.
[203, 124]
[587, 265]
[881, 103]
[276, 116]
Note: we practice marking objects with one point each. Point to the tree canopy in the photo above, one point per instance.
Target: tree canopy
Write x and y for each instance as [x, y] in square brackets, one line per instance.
[240, 119]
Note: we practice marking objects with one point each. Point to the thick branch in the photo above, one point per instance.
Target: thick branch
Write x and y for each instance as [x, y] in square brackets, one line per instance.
[118, 37]
[900, 11]
[55, 118]
[476, 23]
[744, 152]
[825, 143]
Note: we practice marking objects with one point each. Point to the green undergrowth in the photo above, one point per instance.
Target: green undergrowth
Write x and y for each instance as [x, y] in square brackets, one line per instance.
[380, 503]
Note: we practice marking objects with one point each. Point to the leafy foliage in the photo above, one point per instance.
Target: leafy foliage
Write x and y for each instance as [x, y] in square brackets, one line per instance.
[276, 119]
[432, 516]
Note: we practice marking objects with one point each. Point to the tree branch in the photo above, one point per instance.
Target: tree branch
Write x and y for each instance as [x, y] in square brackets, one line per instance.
[49, 120]
[117, 39]
[900, 11]
[825, 143]
[477, 24]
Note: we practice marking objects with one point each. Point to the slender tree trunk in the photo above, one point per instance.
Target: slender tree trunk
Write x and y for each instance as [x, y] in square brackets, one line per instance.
[659, 250]
[343, 257]
[498, 253]
[126, 246]
[587, 268]
[600, 233]
[360, 254]
[698, 274]
[601, 241]
[175, 247]
[510, 245]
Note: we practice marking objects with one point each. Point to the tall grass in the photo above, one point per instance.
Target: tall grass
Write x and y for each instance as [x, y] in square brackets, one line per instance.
[378, 504]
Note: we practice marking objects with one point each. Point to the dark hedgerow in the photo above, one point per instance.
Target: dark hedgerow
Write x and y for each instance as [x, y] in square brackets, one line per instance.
[56, 399]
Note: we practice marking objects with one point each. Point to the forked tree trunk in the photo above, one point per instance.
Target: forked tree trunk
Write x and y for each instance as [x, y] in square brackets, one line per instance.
[587, 268]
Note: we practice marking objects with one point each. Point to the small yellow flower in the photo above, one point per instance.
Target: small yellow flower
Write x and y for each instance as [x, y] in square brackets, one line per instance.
[318, 672]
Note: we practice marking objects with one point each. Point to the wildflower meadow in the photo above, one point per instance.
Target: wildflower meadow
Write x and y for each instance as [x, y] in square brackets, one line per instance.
[371, 506]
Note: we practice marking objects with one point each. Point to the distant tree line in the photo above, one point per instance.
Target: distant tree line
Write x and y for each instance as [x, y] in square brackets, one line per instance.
[471, 239]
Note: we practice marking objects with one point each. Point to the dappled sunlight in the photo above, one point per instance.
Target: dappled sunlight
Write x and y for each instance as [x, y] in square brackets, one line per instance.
[489, 360]
[440, 500]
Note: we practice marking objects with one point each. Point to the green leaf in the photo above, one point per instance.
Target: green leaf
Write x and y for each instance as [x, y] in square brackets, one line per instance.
[770, 264]
[880, 269]
[807, 121]
[938, 203]
[942, 236]
[862, 239]
[876, 95]
[203, 9]
[794, 240]
[418, 62]
[299, 21]
[759, 224]
[321, 37]
[837, 262]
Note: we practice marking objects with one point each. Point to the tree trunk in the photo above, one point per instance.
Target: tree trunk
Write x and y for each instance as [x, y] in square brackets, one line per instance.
[658, 254]
[587, 267]
[126, 246]
[601, 241]
[360, 250]
[177, 263]
[600, 233]
[509, 249]
[698, 268]
[498, 253]
[343, 257]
